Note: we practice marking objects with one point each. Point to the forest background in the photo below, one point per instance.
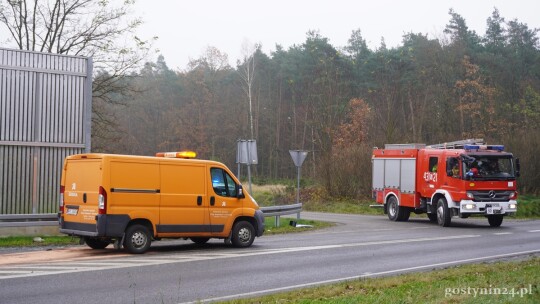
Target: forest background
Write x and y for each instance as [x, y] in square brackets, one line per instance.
[339, 102]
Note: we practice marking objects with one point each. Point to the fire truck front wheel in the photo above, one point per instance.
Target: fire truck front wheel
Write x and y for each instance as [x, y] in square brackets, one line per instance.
[395, 212]
[444, 217]
[495, 220]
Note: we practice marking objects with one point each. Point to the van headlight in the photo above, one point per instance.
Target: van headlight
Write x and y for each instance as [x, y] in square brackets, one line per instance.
[254, 201]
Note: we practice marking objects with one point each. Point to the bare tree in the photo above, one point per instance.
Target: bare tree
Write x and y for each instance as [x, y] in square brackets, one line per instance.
[101, 29]
[246, 68]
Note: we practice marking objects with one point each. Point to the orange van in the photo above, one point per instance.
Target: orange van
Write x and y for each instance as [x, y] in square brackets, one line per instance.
[132, 200]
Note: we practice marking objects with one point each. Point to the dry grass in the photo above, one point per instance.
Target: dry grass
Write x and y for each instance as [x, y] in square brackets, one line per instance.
[268, 188]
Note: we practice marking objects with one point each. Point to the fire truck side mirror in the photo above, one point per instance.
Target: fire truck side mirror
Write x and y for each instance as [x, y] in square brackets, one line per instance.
[518, 167]
[449, 167]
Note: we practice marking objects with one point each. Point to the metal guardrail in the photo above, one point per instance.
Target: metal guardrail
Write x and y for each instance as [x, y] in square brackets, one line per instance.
[51, 219]
[25, 220]
[278, 211]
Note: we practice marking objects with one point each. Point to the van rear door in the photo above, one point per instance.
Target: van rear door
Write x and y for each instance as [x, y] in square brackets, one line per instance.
[82, 177]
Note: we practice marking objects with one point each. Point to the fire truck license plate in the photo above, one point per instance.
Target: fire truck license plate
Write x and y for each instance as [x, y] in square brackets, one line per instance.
[493, 210]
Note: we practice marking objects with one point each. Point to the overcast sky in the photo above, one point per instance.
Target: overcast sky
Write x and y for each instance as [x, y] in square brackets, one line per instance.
[186, 28]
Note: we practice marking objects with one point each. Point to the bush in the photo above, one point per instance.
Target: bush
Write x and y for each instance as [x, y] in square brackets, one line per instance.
[524, 145]
[528, 207]
[347, 174]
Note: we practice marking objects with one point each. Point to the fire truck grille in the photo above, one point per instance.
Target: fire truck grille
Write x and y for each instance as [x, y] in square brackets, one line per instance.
[491, 196]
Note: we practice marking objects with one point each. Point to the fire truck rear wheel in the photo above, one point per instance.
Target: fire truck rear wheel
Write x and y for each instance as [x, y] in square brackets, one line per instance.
[443, 213]
[495, 220]
[404, 214]
[395, 212]
[393, 208]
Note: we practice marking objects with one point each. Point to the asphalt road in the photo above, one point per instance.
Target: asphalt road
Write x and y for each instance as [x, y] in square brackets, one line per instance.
[179, 271]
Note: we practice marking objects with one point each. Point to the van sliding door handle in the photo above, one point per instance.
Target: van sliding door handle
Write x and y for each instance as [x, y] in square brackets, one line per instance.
[199, 200]
[212, 201]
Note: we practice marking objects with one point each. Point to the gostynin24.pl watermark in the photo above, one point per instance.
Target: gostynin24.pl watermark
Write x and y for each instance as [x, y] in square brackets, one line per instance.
[489, 291]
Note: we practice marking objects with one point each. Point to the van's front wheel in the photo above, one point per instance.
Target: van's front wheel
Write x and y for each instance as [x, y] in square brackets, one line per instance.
[137, 239]
[243, 234]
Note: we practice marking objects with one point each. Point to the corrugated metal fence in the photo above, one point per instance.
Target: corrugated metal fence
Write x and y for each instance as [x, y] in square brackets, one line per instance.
[45, 115]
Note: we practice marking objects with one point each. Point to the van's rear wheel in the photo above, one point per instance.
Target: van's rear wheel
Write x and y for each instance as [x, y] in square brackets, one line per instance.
[96, 243]
[243, 234]
[137, 239]
[199, 240]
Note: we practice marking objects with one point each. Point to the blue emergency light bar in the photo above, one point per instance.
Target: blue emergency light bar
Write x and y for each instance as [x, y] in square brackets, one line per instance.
[499, 148]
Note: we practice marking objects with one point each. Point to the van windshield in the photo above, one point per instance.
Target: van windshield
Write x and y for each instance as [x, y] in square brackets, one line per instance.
[488, 167]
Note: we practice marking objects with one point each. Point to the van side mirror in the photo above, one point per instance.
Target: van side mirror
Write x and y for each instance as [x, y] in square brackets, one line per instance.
[240, 192]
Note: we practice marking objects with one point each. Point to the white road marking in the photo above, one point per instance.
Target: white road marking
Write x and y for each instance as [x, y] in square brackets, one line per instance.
[367, 275]
[83, 266]
[534, 231]
[502, 233]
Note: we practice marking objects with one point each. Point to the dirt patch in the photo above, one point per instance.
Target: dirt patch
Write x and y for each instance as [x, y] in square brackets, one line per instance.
[57, 255]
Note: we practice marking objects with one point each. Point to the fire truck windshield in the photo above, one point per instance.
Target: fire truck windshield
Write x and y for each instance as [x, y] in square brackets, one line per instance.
[488, 167]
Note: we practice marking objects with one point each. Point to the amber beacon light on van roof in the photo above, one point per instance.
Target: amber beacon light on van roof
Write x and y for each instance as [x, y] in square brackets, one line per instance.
[181, 154]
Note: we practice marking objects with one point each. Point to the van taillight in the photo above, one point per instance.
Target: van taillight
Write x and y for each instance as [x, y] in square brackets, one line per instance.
[61, 203]
[102, 201]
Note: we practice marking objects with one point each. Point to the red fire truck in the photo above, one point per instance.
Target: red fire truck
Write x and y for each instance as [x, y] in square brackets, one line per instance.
[460, 178]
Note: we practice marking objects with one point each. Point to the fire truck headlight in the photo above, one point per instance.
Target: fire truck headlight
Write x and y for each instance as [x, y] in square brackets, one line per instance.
[470, 206]
[512, 206]
[470, 195]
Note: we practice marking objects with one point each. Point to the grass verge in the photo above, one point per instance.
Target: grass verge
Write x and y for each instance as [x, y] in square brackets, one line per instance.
[28, 241]
[343, 206]
[528, 206]
[473, 283]
[285, 227]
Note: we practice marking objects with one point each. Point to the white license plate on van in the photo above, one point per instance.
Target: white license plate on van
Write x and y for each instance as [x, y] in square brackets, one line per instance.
[72, 211]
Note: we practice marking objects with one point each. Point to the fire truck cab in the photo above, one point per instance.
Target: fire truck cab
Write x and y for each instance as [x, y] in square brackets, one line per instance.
[461, 178]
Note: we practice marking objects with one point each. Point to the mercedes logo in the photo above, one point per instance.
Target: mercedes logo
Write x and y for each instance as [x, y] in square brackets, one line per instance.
[492, 194]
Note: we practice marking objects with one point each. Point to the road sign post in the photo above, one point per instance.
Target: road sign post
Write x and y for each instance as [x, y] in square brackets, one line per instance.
[298, 157]
[246, 153]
